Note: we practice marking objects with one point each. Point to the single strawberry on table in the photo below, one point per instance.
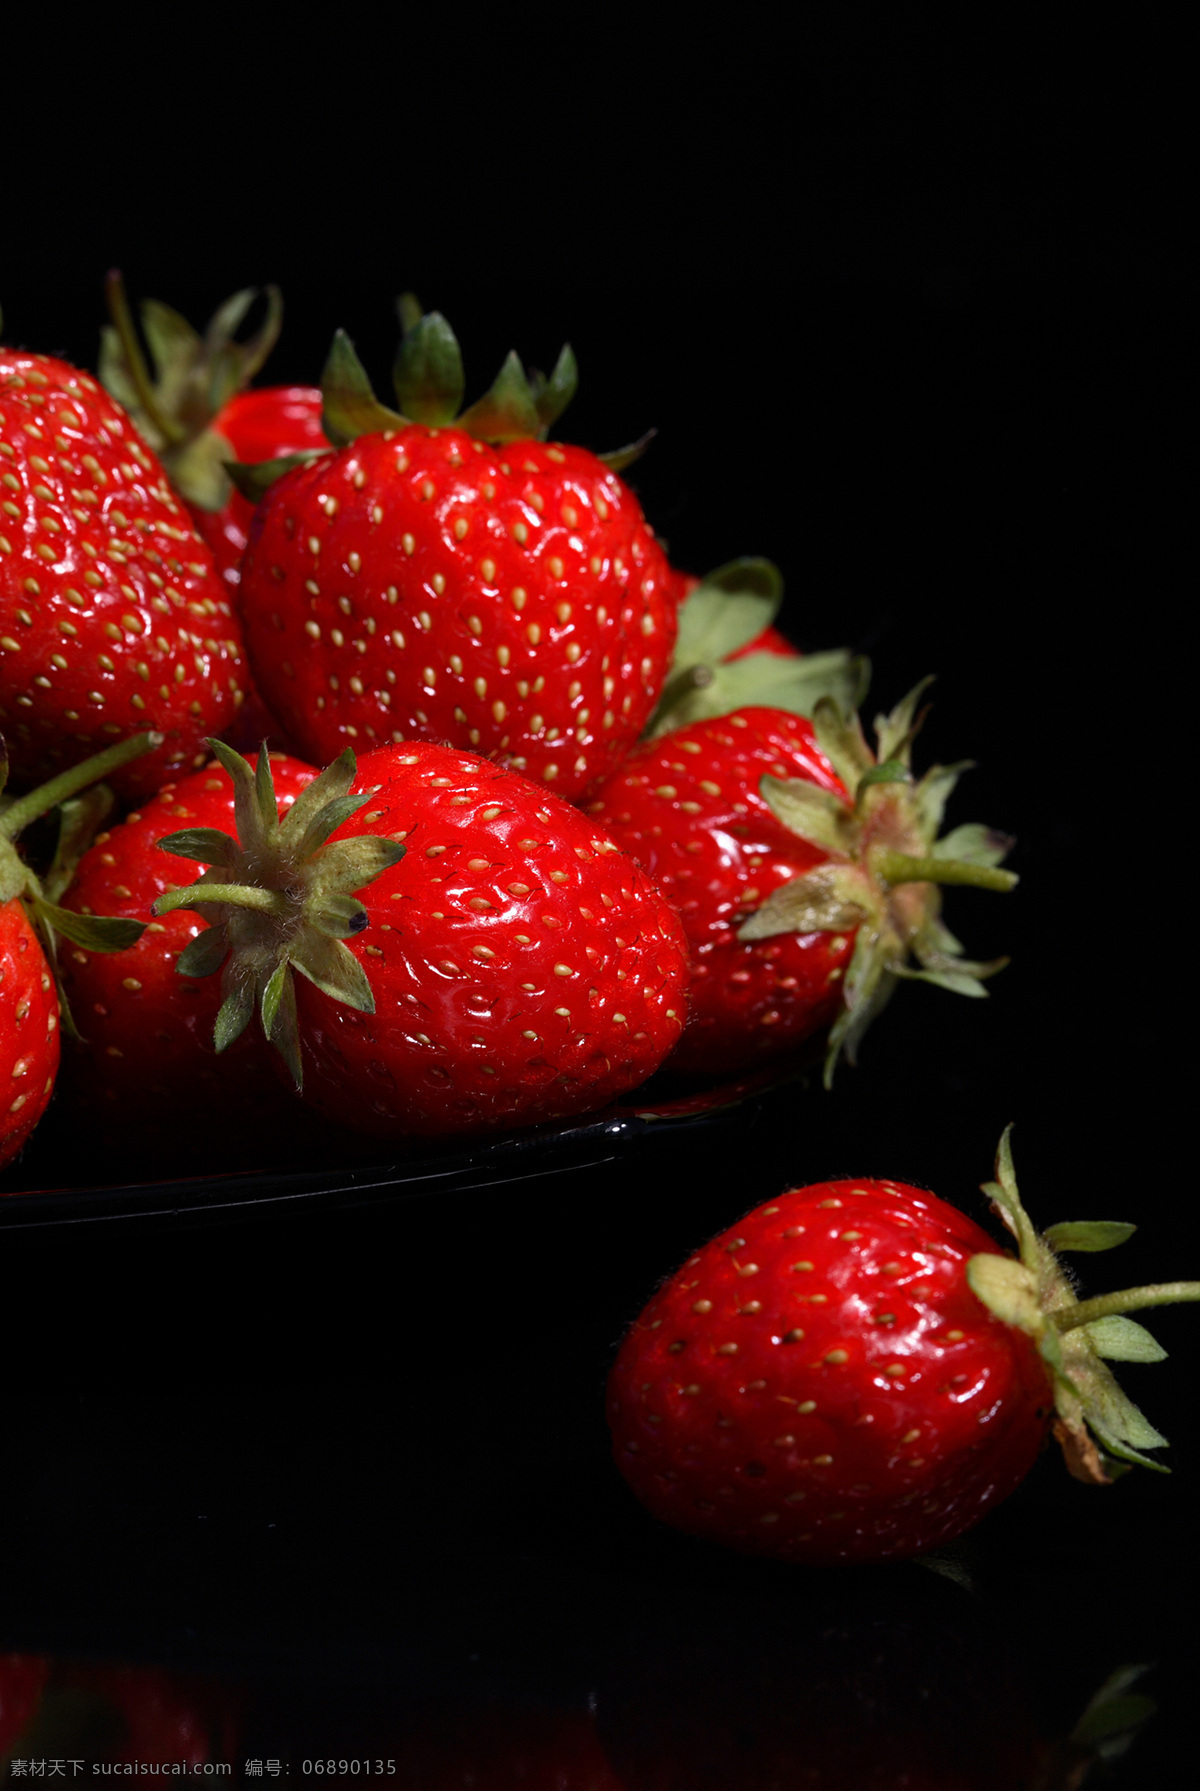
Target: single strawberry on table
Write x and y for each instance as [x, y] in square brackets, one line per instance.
[857, 1372]
[502, 963]
[196, 408]
[806, 870]
[457, 577]
[112, 618]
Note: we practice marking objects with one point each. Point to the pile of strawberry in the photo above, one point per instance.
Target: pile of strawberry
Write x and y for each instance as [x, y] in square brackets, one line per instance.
[542, 816]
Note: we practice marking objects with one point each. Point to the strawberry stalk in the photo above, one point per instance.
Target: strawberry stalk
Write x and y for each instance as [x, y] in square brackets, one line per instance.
[1098, 1426]
[35, 803]
[894, 868]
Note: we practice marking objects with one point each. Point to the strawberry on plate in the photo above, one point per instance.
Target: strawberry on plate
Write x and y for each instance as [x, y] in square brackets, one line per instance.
[457, 578]
[805, 870]
[507, 964]
[112, 618]
[856, 1372]
[194, 406]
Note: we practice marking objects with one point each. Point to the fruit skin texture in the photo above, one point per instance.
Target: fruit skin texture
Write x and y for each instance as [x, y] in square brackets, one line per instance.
[523, 968]
[145, 1061]
[29, 1036]
[687, 806]
[421, 584]
[820, 1384]
[264, 423]
[112, 618]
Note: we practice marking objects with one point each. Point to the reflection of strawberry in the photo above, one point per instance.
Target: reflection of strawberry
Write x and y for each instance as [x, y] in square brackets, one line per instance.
[22, 1677]
[504, 1749]
[465, 581]
[196, 412]
[503, 962]
[803, 903]
[112, 618]
[164, 1716]
[856, 1372]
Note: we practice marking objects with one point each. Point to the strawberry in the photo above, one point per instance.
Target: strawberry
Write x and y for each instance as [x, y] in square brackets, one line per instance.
[29, 923]
[146, 1718]
[112, 618]
[856, 1372]
[804, 869]
[508, 964]
[462, 581]
[195, 410]
[145, 1065]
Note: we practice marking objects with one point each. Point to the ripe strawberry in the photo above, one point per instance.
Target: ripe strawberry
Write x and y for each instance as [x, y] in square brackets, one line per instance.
[856, 1372]
[145, 1065]
[196, 412]
[112, 618]
[803, 904]
[29, 921]
[466, 581]
[512, 966]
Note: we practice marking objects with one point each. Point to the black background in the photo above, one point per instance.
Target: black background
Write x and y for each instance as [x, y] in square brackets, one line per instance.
[910, 307]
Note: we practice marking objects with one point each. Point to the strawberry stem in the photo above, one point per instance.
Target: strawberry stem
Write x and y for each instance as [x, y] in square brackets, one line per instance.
[899, 867]
[1130, 1299]
[68, 783]
[231, 895]
[122, 317]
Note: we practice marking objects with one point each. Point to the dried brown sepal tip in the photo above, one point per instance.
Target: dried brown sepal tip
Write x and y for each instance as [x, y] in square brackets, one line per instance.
[279, 898]
[884, 866]
[1099, 1428]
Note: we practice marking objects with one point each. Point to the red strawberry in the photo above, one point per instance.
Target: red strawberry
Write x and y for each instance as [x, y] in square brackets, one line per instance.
[513, 966]
[29, 920]
[195, 412]
[145, 1064]
[112, 618]
[856, 1372]
[466, 582]
[802, 904]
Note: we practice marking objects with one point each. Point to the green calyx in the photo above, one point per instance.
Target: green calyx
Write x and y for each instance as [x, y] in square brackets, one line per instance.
[883, 869]
[522, 404]
[175, 396]
[728, 609]
[83, 802]
[1100, 1429]
[279, 898]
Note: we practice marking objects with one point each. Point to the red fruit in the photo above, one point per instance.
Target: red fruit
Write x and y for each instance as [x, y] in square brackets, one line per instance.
[504, 1749]
[29, 1035]
[512, 966]
[800, 901]
[112, 618]
[29, 920]
[856, 1372]
[145, 1064]
[162, 1718]
[264, 424]
[468, 583]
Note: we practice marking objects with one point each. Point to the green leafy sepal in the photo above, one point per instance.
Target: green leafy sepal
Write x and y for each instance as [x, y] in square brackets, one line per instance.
[884, 867]
[279, 899]
[1100, 1429]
